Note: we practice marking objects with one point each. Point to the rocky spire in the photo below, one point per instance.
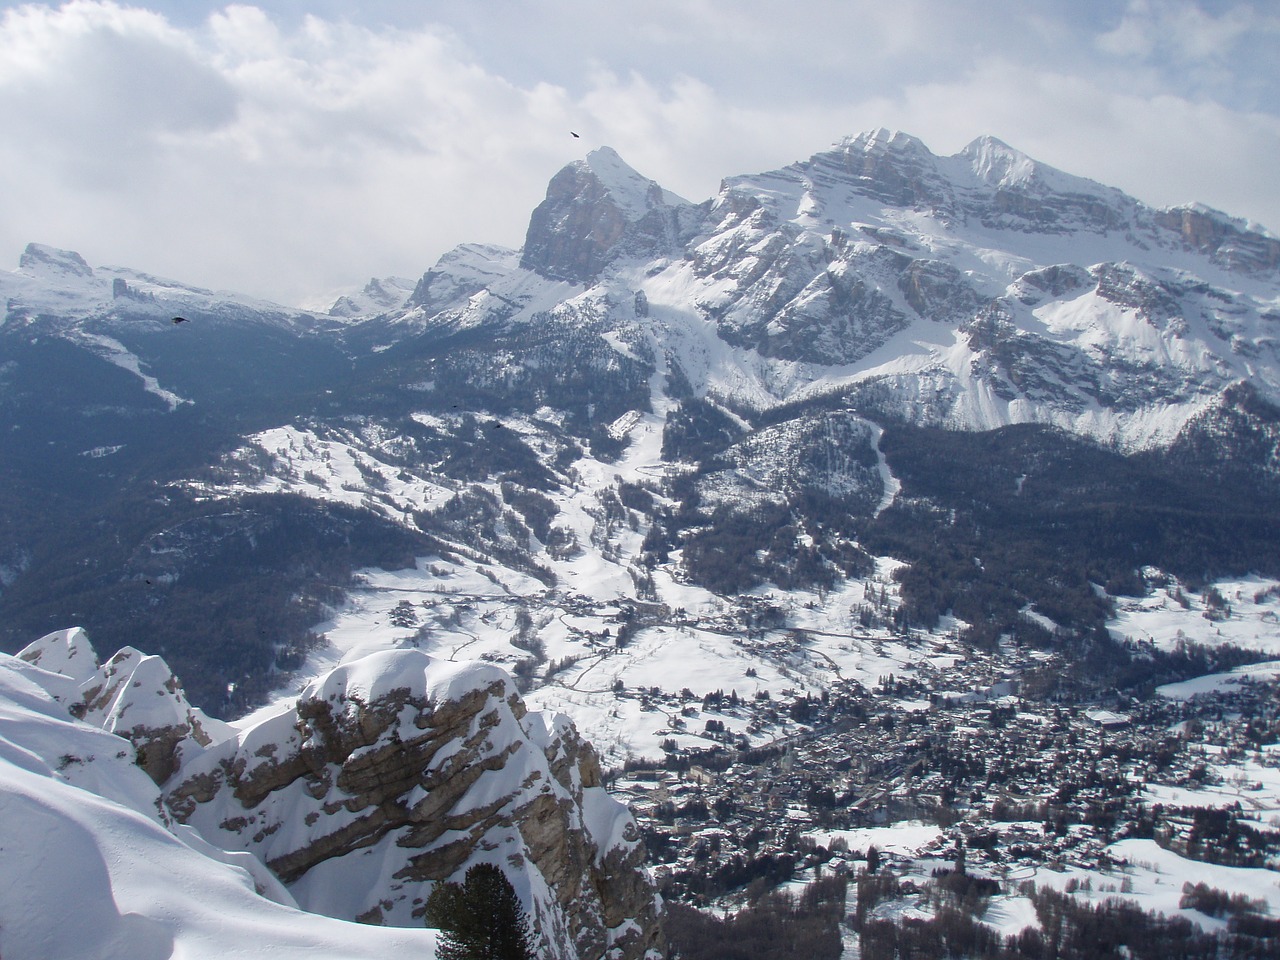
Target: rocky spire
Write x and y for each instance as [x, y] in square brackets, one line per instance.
[595, 210]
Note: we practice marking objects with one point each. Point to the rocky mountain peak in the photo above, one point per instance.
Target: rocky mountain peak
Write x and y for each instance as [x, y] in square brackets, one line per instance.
[890, 166]
[1006, 178]
[882, 140]
[133, 695]
[40, 260]
[997, 163]
[597, 209]
[634, 193]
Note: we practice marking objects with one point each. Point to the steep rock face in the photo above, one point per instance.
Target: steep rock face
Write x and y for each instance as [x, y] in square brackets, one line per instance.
[891, 167]
[402, 770]
[773, 288]
[596, 209]
[1227, 241]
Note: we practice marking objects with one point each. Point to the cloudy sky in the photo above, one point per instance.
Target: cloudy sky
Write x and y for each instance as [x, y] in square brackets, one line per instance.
[290, 148]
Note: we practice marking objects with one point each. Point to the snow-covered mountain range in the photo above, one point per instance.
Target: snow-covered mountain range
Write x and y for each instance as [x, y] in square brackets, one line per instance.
[977, 290]
[863, 415]
[655, 402]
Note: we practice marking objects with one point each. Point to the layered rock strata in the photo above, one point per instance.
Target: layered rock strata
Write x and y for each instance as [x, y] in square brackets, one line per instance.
[398, 771]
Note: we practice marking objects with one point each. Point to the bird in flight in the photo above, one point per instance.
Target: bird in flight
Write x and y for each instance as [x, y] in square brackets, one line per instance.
[181, 320]
[574, 135]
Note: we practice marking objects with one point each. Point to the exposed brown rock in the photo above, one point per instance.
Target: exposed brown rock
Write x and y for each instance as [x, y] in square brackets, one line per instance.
[427, 787]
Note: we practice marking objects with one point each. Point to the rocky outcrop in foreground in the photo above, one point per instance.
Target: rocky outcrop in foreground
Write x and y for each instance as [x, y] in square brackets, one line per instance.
[133, 694]
[400, 770]
[387, 775]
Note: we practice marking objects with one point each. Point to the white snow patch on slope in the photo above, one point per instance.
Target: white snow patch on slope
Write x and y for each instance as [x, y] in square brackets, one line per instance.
[117, 353]
[1156, 877]
[1212, 682]
[330, 469]
[1251, 619]
[892, 486]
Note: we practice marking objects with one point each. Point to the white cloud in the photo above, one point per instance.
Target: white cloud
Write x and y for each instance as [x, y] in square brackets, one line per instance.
[241, 154]
[92, 88]
[284, 156]
[1184, 31]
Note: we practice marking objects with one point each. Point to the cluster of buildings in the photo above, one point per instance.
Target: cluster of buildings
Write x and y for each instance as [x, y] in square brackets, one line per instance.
[1005, 781]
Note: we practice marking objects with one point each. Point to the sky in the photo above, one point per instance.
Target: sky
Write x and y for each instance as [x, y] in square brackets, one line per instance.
[292, 149]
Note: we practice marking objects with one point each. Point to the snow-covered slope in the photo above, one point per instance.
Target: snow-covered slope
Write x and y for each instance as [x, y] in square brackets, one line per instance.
[52, 284]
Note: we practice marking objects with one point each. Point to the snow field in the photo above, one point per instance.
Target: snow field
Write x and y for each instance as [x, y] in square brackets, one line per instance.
[1253, 620]
[1152, 878]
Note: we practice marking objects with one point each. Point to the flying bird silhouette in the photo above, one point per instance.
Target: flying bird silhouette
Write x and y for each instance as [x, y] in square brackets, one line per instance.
[574, 135]
[181, 320]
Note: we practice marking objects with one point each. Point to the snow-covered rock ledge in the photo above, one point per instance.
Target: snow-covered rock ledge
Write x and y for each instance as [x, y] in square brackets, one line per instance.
[399, 770]
[94, 866]
[388, 774]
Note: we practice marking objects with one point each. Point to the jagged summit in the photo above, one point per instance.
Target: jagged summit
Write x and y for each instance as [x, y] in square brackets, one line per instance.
[595, 210]
[633, 192]
[42, 260]
[883, 140]
[1000, 167]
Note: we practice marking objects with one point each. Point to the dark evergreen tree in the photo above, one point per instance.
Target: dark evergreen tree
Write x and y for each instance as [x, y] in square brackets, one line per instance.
[481, 918]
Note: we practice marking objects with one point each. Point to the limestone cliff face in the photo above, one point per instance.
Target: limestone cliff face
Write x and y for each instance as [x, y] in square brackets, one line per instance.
[595, 210]
[1228, 242]
[399, 770]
